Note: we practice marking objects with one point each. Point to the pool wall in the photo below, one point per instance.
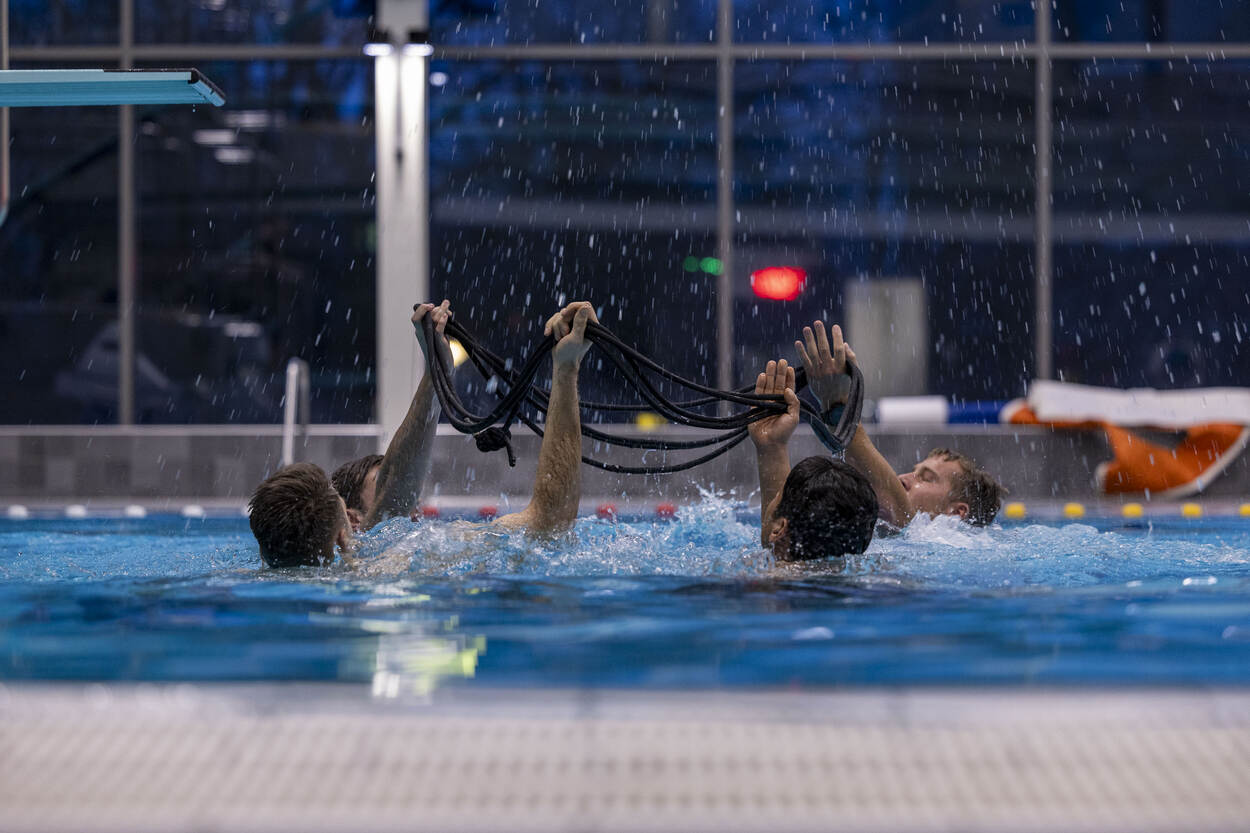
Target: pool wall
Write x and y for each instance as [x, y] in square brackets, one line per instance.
[224, 463]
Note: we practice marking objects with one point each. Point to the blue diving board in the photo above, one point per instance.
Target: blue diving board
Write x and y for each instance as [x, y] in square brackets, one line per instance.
[78, 87]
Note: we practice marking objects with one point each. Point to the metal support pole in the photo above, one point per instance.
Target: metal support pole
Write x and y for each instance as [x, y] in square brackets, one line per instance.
[1043, 160]
[725, 195]
[403, 229]
[127, 249]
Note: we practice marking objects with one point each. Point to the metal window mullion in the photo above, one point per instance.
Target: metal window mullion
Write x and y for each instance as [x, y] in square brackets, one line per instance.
[1043, 367]
[724, 194]
[5, 184]
[127, 249]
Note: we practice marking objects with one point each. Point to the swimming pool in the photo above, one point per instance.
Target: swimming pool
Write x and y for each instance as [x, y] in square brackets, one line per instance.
[639, 604]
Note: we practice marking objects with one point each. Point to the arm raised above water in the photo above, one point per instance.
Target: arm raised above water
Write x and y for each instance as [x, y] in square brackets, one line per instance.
[557, 482]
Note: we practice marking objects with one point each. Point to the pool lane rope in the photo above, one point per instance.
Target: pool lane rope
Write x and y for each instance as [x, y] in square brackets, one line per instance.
[516, 388]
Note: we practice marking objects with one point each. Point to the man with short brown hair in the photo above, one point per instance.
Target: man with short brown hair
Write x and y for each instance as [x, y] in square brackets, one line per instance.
[970, 485]
[944, 483]
[356, 481]
[298, 518]
[380, 486]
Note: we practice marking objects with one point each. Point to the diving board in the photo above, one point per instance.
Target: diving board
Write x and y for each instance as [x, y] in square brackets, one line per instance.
[78, 87]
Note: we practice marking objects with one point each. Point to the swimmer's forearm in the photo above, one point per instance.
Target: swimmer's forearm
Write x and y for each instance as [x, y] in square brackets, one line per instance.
[774, 467]
[407, 460]
[863, 455]
[558, 481]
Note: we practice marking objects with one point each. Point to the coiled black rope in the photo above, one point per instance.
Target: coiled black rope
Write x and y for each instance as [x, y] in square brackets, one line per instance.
[492, 432]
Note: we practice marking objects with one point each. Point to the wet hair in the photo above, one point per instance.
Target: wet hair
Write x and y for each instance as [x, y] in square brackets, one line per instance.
[831, 509]
[974, 486]
[295, 516]
[349, 479]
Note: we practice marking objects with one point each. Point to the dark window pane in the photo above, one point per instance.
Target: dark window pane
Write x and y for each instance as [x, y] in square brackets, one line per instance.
[553, 183]
[58, 247]
[1164, 21]
[257, 243]
[487, 23]
[62, 22]
[1152, 201]
[905, 191]
[247, 21]
[882, 21]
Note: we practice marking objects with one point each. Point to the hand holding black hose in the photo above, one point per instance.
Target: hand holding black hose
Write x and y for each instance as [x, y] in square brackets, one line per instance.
[492, 429]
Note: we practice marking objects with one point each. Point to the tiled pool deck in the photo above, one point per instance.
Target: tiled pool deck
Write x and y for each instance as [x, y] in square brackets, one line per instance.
[323, 758]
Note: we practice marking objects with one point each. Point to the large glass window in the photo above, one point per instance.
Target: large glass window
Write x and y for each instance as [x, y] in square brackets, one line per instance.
[1175, 21]
[1152, 201]
[249, 21]
[58, 258]
[890, 183]
[881, 21]
[900, 185]
[256, 230]
[62, 22]
[558, 182]
[503, 22]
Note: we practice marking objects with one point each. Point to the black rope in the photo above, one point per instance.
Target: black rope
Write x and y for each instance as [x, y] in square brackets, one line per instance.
[491, 430]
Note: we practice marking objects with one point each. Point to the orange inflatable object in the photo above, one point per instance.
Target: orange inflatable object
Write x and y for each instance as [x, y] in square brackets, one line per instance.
[1139, 465]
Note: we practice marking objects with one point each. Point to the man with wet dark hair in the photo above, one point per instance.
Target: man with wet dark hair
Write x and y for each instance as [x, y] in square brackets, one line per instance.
[356, 482]
[945, 482]
[826, 508]
[298, 519]
[821, 508]
[380, 486]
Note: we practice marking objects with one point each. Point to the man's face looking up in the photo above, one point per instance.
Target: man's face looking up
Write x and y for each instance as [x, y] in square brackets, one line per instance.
[930, 486]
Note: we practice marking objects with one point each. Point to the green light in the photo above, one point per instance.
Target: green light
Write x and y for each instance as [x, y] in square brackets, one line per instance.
[711, 265]
[690, 264]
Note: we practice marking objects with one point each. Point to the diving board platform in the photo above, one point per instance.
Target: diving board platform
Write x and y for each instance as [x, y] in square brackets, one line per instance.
[86, 87]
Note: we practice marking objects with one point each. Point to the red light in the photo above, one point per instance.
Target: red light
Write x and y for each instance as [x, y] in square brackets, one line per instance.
[779, 283]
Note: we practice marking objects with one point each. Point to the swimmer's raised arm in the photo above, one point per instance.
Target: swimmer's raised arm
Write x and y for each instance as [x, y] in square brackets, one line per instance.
[406, 463]
[895, 508]
[558, 481]
[771, 437]
[825, 363]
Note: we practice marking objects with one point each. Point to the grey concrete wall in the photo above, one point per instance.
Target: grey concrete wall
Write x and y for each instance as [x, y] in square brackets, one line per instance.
[226, 463]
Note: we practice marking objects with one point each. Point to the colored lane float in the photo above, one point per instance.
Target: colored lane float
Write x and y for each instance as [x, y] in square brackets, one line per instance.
[607, 511]
[664, 510]
[1072, 510]
[1015, 511]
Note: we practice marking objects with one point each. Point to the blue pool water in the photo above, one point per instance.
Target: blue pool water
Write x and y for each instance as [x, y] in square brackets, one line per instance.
[687, 603]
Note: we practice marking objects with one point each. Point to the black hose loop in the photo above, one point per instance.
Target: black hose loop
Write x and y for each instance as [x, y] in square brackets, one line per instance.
[495, 438]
